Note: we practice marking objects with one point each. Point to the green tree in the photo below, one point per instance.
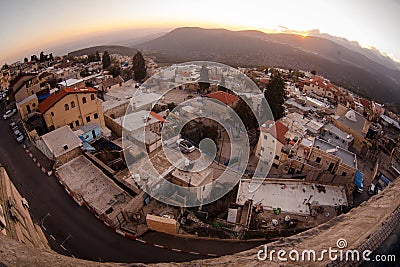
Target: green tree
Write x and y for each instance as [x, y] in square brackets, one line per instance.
[171, 106]
[126, 74]
[34, 58]
[246, 115]
[106, 60]
[275, 96]
[139, 67]
[114, 70]
[97, 55]
[91, 58]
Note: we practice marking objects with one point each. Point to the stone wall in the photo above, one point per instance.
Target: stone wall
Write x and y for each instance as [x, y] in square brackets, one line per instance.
[364, 227]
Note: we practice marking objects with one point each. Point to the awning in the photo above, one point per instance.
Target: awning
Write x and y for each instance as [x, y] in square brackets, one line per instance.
[358, 180]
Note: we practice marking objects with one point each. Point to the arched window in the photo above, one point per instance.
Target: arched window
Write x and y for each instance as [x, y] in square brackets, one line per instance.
[92, 97]
[72, 104]
[84, 100]
[66, 107]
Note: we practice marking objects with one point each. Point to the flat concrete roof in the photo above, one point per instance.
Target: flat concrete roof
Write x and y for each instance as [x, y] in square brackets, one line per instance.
[29, 98]
[336, 131]
[96, 188]
[291, 196]
[113, 103]
[347, 157]
[57, 139]
[144, 99]
[135, 120]
[195, 178]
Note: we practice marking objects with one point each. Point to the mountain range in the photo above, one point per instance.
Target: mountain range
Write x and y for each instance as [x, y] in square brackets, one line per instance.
[345, 63]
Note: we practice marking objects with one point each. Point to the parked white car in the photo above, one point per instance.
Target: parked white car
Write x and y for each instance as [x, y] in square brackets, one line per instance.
[185, 146]
[9, 113]
[20, 138]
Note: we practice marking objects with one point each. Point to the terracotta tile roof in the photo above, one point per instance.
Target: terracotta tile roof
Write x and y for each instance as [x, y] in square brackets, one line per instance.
[317, 81]
[365, 102]
[54, 98]
[277, 130]
[156, 116]
[223, 97]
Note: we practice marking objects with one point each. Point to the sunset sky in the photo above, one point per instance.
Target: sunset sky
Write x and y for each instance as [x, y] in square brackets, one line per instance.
[31, 26]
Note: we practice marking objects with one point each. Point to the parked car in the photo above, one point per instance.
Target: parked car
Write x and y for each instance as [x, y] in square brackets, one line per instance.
[20, 138]
[13, 126]
[9, 113]
[185, 146]
[17, 132]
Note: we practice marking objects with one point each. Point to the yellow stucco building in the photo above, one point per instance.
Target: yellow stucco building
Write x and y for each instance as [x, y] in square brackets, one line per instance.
[72, 106]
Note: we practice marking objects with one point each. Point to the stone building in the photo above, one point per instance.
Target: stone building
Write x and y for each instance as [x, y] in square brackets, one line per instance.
[72, 106]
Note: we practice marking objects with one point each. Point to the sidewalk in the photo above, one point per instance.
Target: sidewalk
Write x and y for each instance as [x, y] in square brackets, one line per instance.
[39, 158]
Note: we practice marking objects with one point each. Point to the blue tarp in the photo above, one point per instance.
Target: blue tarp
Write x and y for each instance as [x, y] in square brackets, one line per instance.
[41, 97]
[385, 180]
[358, 180]
[88, 147]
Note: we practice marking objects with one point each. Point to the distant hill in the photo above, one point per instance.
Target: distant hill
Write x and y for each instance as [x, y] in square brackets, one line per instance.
[111, 49]
[343, 66]
[371, 53]
[139, 40]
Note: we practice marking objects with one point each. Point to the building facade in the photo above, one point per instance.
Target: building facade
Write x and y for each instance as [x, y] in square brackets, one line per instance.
[72, 106]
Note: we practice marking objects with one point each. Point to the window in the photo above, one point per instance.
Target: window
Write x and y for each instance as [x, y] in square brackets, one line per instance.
[76, 123]
[318, 160]
[277, 157]
[66, 107]
[344, 173]
[52, 114]
[92, 97]
[95, 116]
[33, 104]
[84, 100]
[265, 137]
[262, 148]
[88, 119]
[71, 125]
[72, 104]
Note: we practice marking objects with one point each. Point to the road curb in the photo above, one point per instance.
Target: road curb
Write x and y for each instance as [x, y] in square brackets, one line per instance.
[125, 234]
[48, 173]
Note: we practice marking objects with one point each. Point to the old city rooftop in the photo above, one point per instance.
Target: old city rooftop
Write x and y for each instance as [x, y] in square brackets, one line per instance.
[277, 130]
[53, 99]
[224, 97]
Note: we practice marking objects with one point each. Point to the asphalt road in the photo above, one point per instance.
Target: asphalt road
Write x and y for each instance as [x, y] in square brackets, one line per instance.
[78, 230]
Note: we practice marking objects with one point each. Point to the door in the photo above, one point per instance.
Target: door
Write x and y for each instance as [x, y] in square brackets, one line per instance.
[330, 168]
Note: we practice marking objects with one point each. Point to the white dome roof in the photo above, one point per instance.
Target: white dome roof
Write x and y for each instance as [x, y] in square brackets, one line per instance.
[351, 115]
